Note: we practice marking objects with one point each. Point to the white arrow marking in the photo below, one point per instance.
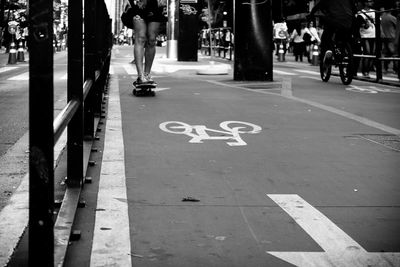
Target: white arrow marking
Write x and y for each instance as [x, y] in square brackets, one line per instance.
[339, 248]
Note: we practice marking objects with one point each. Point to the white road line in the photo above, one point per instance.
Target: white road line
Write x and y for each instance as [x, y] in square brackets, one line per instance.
[308, 71]
[22, 77]
[4, 69]
[336, 111]
[284, 72]
[339, 248]
[111, 238]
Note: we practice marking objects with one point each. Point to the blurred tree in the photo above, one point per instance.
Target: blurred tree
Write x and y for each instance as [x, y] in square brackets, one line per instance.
[213, 12]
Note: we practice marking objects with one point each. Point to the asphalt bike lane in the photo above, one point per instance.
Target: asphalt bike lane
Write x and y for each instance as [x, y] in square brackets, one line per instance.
[377, 102]
[220, 175]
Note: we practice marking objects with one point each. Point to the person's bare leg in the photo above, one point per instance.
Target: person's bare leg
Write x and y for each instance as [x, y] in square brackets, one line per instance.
[150, 50]
[140, 42]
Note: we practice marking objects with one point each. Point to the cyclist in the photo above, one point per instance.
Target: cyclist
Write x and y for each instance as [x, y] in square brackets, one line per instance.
[338, 19]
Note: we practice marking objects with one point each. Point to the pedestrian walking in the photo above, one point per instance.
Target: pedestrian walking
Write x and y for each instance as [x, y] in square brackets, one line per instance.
[388, 35]
[367, 33]
[397, 35]
[314, 40]
[298, 43]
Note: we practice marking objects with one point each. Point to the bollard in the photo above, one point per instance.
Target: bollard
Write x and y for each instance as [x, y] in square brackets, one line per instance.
[12, 56]
[281, 53]
[287, 87]
[20, 55]
[315, 56]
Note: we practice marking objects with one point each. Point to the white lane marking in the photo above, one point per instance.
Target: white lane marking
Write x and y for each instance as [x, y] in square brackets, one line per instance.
[64, 77]
[284, 72]
[370, 89]
[199, 133]
[22, 77]
[129, 69]
[339, 248]
[111, 238]
[4, 69]
[342, 113]
[308, 72]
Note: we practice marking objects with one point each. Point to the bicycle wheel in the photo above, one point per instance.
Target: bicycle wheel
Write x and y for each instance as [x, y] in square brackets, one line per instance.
[324, 69]
[346, 65]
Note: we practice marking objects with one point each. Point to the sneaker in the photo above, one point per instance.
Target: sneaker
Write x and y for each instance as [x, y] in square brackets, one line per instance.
[148, 78]
[140, 80]
[366, 74]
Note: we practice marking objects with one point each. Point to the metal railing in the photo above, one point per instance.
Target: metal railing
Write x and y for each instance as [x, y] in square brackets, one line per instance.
[88, 66]
[222, 42]
[378, 57]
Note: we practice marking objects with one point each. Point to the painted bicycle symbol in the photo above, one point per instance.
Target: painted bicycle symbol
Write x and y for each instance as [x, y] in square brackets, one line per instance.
[230, 132]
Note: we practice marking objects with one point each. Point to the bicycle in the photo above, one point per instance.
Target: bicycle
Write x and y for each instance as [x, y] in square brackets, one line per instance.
[342, 57]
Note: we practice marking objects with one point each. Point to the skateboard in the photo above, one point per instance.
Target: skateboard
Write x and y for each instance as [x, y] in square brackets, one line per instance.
[144, 89]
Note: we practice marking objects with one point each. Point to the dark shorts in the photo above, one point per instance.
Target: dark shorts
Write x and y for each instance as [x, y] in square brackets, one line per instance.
[149, 15]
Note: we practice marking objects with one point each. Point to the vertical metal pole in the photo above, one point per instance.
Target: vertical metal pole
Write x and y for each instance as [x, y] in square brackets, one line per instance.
[75, 84]
[41, 133]
[253, 40]
[172, 29]
[378, 46]
[89, 65]
[188, 30]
